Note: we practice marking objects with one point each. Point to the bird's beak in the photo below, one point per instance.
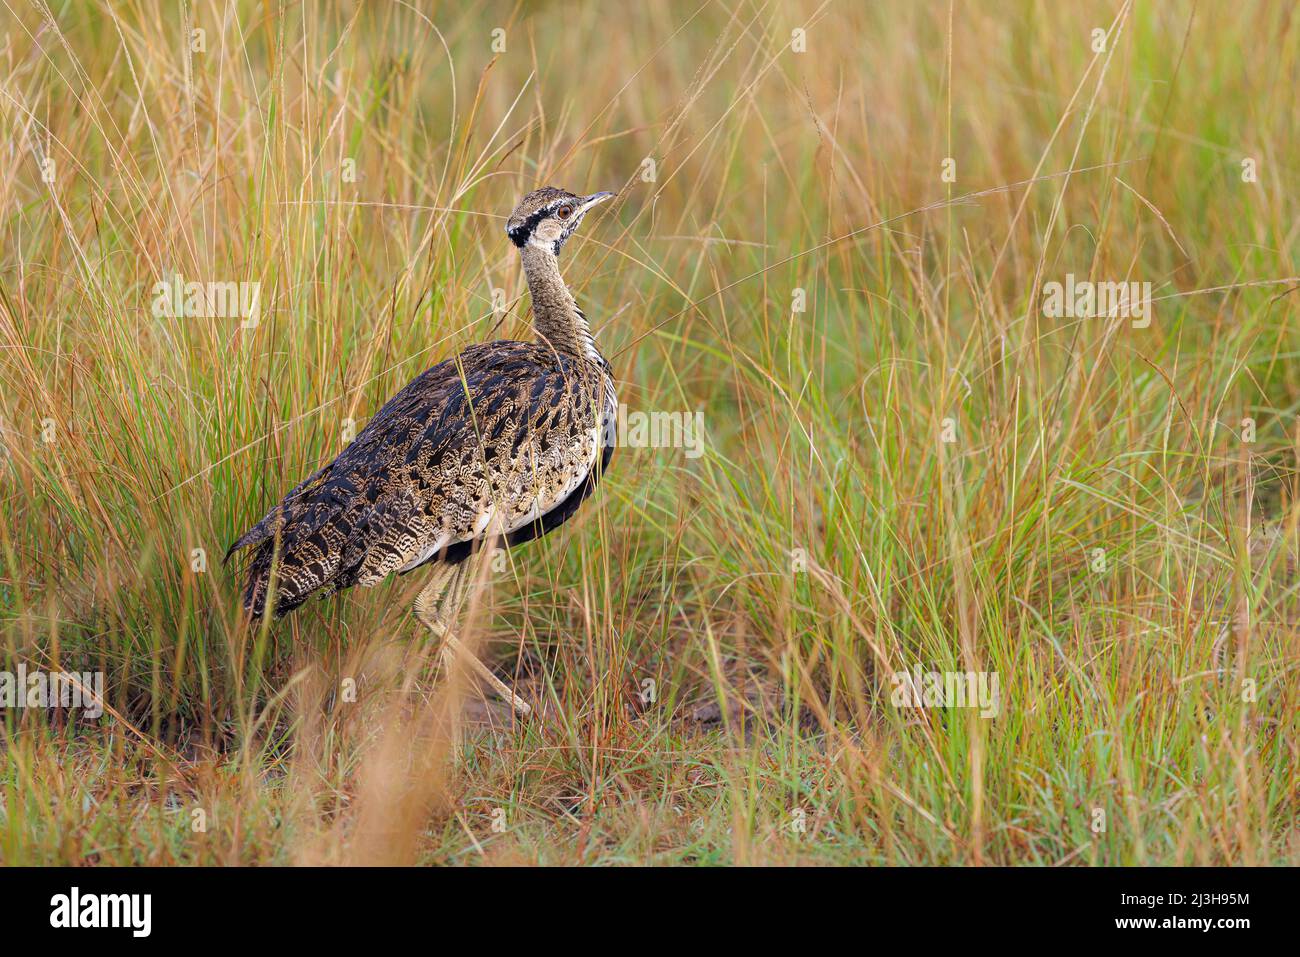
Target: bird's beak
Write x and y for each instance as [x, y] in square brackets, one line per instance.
[595, 199]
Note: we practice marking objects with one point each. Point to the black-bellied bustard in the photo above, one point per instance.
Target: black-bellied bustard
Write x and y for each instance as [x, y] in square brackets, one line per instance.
[501, 443]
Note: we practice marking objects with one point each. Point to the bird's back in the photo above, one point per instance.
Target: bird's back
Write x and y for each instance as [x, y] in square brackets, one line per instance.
[505, 439]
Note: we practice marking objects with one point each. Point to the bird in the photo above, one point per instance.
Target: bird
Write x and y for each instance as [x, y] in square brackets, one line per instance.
[497, 445]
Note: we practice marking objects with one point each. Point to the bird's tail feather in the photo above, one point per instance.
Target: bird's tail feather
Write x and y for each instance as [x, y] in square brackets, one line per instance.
[277, 577]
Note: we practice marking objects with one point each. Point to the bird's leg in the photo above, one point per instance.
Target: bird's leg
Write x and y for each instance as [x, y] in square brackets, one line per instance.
[430, 609]
[431, 605]
[436, 606]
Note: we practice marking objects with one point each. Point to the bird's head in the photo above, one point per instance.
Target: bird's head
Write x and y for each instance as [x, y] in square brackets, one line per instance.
[547, 217]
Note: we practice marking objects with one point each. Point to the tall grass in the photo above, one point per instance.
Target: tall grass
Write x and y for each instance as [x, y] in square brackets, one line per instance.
[1105, 530]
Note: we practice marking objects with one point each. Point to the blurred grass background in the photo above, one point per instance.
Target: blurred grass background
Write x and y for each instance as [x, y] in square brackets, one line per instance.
[358, 160]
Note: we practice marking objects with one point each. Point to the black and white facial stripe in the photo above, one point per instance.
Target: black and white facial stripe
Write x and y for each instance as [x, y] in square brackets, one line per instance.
[566, 209]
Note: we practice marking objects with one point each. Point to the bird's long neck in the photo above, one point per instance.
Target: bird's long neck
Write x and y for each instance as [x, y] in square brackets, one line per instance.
[557, 320]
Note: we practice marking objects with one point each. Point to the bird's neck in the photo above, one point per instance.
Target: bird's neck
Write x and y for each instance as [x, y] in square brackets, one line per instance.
[557, 320]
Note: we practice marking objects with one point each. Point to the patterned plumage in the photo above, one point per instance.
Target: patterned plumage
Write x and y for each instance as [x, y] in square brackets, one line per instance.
[504, 441]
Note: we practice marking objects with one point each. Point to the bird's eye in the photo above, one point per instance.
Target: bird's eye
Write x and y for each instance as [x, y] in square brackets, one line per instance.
[564, 212]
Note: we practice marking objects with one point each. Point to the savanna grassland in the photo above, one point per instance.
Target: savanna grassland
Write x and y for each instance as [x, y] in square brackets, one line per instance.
[835, 246]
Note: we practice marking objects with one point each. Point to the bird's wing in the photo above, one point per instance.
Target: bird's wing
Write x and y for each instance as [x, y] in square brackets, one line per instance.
[496, 456]
[416, 478]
